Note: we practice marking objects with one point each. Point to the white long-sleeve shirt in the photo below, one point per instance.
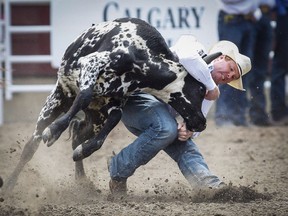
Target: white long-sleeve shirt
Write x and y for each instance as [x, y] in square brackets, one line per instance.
[190, 52]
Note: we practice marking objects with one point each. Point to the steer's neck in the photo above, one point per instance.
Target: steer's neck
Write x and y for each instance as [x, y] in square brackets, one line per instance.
[173, 87]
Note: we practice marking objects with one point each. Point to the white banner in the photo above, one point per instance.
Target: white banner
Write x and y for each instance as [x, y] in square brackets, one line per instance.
[69, 18]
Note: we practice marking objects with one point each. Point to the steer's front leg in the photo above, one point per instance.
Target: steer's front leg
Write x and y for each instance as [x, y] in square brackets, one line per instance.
[53, 132]
[90, 67]
[90, 146]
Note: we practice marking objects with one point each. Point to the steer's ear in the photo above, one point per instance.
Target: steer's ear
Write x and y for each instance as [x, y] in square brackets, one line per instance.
[209, 58]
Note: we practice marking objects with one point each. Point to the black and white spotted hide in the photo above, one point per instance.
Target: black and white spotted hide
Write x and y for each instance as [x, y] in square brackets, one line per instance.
[99, 70]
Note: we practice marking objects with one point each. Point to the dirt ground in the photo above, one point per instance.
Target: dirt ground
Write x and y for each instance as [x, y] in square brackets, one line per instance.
[254, 160]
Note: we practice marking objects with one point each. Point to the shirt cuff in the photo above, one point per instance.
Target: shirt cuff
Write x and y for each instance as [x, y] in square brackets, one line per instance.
[210, 84]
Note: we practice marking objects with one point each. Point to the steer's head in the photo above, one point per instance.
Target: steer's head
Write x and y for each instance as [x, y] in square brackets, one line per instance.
[188, 102]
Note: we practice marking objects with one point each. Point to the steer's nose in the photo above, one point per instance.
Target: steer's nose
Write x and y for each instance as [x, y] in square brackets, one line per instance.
[197, 124]
[201, 127]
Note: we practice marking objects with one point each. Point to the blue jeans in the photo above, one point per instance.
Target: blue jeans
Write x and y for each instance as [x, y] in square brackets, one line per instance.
[232, 103]
[156, 129]
[279, 107]
[259, 71]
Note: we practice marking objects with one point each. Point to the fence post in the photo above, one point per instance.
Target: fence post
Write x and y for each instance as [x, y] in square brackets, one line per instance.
[1, 62]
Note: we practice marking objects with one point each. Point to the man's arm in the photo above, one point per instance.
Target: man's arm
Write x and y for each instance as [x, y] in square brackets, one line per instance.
[198, 68]
[189, 51]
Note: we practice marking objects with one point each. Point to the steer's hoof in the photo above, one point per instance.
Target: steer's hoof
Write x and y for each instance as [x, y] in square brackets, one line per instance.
[78, 153]
[47, 137]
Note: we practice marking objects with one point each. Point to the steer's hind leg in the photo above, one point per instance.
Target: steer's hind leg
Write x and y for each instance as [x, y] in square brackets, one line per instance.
[55, 104]
[81, 130]
[90, 146]
[87, 129]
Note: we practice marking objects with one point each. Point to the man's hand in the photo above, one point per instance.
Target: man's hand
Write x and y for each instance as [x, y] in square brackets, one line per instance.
[213, 94]
[183, 133]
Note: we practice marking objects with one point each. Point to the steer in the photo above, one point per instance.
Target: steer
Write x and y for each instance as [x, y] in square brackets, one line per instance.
[99, 70]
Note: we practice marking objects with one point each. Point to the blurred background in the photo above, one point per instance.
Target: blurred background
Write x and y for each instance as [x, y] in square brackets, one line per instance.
[35, 33]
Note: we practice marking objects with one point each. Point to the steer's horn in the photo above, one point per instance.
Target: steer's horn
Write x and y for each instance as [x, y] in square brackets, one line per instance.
[209, 58]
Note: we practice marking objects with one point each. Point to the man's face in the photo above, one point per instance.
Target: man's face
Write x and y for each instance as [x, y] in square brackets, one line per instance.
[225, 70]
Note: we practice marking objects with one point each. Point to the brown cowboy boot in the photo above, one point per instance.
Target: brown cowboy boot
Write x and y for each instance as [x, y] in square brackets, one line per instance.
[118, 187]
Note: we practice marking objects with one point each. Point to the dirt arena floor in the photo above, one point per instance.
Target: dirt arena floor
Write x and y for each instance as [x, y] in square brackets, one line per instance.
[253, 160]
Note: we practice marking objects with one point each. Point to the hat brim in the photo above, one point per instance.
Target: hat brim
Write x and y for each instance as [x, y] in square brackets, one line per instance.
[238, 84]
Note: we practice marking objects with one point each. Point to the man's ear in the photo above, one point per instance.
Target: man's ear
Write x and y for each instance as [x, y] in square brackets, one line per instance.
[209, 58]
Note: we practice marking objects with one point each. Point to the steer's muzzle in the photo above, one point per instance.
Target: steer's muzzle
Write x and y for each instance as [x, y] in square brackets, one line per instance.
[200, 127]
[197, 124]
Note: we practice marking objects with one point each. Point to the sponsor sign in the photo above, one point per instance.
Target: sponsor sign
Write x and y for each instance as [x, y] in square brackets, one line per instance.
[69, 18]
